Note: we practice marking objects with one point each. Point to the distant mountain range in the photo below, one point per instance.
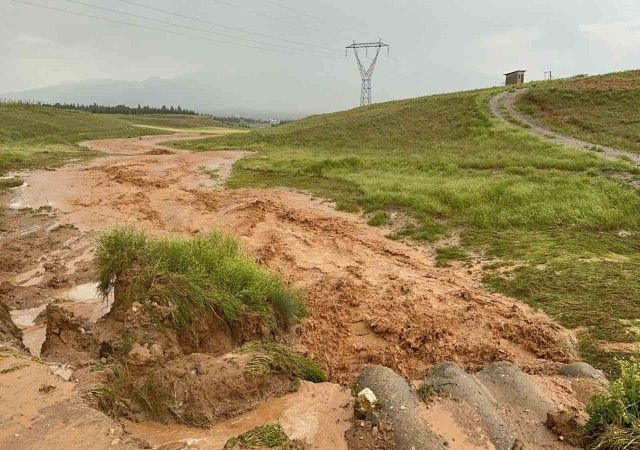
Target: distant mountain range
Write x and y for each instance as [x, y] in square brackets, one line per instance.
[206, 93]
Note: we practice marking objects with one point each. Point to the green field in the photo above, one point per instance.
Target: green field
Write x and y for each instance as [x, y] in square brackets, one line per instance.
[603, 110]
[553, 226]
[34, 136]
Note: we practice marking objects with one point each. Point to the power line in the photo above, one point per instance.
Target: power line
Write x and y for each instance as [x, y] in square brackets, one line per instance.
[185, 26]
[172, 32]
[224, 26]
[319, 19]
[250, 11]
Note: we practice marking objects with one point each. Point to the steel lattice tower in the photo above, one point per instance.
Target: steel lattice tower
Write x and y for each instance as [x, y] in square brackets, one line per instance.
[366, 73]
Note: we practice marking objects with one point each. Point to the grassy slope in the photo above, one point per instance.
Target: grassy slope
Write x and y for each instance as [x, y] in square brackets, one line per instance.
[172, 121]
[554, 212]
[604, 110]
[33, 136]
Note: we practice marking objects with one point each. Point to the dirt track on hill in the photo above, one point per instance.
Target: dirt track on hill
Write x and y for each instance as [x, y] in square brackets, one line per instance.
[503, 105]
[371, 300]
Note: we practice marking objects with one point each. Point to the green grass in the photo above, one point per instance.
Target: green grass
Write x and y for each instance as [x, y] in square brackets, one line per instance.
[378, 219]
[209, 274]
[444, 255]
[280, 359]
[444, 161]
[266, 436]
[592, 113]
[40, 137]
[614, 422]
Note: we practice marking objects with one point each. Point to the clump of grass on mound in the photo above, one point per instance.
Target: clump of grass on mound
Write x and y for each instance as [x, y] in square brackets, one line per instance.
[267, 436]
[278, 358]
[209, 273]
[614, 422]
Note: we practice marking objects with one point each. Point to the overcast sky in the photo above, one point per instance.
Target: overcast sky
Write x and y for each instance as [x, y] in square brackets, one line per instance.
[436, 46]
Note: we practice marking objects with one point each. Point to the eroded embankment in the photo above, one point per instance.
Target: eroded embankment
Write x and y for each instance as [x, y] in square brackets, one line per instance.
[371, 300]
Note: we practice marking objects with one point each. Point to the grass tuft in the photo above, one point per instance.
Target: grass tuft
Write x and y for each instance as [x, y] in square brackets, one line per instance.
[278, 358]
[446, 254]
[614, 422]
[209, 273]
[266, 436]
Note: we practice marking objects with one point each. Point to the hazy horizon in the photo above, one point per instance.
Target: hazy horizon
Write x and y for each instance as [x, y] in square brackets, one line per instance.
[452, 46]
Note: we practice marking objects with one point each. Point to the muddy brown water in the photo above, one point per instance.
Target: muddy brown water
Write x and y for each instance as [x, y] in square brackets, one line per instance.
[371, 300]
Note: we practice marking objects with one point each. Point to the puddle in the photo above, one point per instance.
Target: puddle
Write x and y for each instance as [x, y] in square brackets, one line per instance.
[32, 335]
[314, 414]
[83, 293]
[24, 318]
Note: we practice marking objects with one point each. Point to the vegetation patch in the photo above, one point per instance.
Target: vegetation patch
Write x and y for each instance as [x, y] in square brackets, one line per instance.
[444, 255]
[266, 436]
[10, 182]
[551, 211]
[205, 274]
[280, 359]
[614, 422]
[601, 116]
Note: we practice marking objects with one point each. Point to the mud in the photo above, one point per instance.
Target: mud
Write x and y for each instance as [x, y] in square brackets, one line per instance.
[318, 414]
[439, 314]
[351, 274]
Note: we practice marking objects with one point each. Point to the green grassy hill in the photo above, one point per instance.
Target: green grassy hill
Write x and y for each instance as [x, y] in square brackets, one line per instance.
[34, 136]
[604, 110]
[552, 226]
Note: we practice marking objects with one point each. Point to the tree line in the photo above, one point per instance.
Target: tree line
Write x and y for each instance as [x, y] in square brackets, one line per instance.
[103, 109]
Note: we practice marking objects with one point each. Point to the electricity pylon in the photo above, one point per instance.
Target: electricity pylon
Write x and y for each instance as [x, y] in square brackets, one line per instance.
[366, 73]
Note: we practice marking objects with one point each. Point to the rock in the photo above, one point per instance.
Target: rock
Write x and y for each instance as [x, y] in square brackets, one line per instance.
[510, 385]
[156, 351]
[367, 400]
[448, 377]
[566, 425]
[517, 445]
[139, 355]
[103, 360]
[392, 391]
[582, 370]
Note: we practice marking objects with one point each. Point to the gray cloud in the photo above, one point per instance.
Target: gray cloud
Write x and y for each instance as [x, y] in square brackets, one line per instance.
[437, 46]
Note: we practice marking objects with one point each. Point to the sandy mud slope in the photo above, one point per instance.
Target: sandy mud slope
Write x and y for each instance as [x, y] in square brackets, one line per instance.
[371, 300]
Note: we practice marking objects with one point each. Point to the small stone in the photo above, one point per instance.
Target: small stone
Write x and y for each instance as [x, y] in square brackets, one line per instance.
[367, 399]
[561, 438]
[115, 442]
[139, 355]
[362, 424]
[374, 430]
[103, 360]
[403, 407]
[112, 430]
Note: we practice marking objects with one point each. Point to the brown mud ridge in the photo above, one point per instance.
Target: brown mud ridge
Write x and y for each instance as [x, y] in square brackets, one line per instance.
[371, 302]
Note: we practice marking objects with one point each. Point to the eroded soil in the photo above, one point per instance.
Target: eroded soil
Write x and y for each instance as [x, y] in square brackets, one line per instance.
[371, 300]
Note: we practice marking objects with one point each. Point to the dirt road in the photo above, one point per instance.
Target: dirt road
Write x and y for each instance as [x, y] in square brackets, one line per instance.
[503, 105]
[371, 300]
